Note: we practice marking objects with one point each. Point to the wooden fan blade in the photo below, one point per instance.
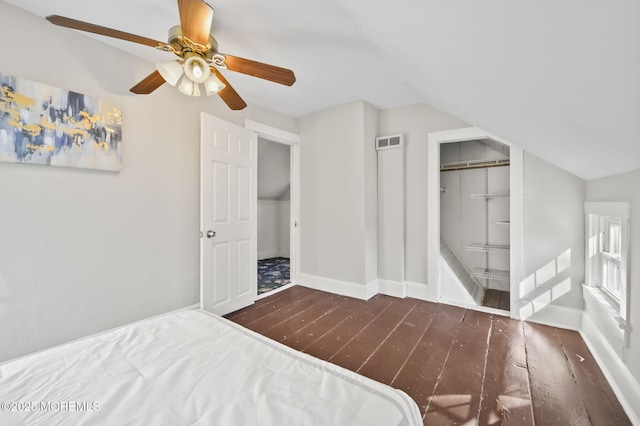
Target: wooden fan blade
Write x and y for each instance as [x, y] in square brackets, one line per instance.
[195, 20]
[97, 29]
[148, 84]
[260, 70]
[229, 94]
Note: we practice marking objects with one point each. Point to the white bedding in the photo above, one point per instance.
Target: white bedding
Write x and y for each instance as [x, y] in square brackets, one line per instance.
[189, 368]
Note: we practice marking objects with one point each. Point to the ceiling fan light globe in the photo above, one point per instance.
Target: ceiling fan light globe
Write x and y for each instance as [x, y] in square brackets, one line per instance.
[170, 71]
[213, 85]
[188, 87]
[197, 69]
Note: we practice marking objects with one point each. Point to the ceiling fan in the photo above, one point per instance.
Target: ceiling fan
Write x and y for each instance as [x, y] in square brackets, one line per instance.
[198, 55]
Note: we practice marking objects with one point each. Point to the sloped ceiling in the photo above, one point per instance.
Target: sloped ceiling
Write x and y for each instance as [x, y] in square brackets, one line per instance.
[273, 170]
[559, 78]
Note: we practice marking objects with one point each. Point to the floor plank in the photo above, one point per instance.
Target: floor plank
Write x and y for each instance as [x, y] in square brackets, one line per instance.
[268, 305]
[293, 324]
[460, 366]
[456, 397]
[422, 369]
[333, 340]
[506, 399]
[602, 406]
[391, 356]
[358, 350]
[304, 337]
[284, 314]
[554, 393]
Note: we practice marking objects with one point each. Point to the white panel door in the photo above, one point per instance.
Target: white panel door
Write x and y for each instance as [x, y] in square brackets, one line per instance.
[228, 217]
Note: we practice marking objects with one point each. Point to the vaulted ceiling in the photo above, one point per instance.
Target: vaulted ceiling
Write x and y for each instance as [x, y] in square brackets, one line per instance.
[559, 78]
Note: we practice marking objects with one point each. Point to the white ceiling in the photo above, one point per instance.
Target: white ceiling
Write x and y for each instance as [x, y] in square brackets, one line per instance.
[559, 78]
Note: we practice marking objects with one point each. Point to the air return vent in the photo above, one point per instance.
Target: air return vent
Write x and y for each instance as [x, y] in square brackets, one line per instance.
[388, 142]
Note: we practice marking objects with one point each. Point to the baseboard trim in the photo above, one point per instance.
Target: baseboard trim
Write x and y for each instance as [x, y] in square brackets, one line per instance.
[345, 288]
[419, 291]
[373, 288]
[404, 289]
[474, 307]
[624, 385]
[188, 308]
[392, 288]
[268, 254]
[553, 315]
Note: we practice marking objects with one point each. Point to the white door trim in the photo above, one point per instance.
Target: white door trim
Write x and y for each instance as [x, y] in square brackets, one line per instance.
[516, 182]
[272, 133]
[293, 140]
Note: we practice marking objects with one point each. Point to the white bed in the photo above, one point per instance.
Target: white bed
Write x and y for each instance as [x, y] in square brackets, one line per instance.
[189, 368]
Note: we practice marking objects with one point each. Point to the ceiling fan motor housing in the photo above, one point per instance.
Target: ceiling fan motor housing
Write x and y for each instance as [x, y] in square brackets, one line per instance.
[183, 45]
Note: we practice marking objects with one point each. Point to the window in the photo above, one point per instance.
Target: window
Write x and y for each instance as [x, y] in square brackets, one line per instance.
[606, 255]
[610, 255]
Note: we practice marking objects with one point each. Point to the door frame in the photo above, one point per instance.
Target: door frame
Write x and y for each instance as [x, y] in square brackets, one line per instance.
[284, 137]
[516, 182]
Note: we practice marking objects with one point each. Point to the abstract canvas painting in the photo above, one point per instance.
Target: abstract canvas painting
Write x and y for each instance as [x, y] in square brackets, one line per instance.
[40, 124]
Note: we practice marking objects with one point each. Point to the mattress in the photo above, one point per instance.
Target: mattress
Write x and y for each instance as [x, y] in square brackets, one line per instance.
[187, 368]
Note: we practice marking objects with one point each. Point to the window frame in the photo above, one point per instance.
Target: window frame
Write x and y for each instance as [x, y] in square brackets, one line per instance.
[598, 219]
[608, 257]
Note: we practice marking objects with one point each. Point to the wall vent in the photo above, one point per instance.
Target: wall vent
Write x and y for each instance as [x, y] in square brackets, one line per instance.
[389, 142]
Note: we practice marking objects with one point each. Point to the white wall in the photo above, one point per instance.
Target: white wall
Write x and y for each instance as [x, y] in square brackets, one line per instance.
[370, 188]
[268, 229]
[624, 187]
[284, 228]
[391, 214]
[338, 190]
[416, 122]
[553, 245]
[83, 251]
[273, 228]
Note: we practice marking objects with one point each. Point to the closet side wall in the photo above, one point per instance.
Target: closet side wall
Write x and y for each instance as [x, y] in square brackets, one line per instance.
[553, 245]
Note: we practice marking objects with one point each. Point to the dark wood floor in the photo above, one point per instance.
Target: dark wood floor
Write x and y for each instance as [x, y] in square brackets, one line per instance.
[497, 299]
[460, 366]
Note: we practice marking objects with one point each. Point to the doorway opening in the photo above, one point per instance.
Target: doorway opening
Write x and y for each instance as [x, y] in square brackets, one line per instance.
[274, 215]
[475, 222]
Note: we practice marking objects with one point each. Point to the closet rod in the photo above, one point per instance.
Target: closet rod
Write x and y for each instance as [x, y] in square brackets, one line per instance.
[467, 165]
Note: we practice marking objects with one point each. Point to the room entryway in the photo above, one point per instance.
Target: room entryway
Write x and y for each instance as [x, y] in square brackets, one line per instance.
[475, 222]
[274, 214]
[230, 215]
[276, 206]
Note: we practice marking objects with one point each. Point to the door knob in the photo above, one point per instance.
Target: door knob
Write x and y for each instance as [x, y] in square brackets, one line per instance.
[211, 234]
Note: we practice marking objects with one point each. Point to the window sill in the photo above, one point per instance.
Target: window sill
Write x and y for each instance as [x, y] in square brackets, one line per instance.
[611, 308]
[612, 257]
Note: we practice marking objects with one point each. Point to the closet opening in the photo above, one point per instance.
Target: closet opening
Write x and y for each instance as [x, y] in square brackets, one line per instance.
[274, 216]
[475, 223]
